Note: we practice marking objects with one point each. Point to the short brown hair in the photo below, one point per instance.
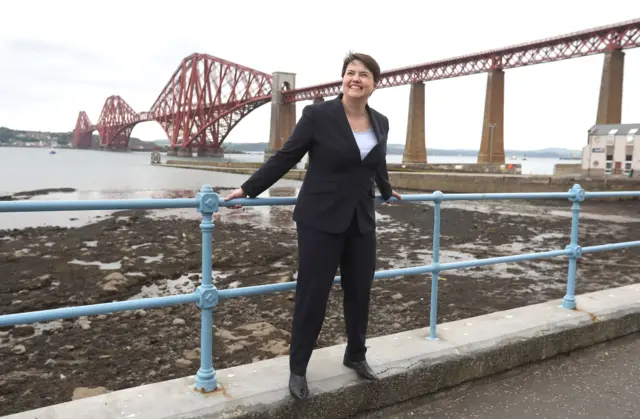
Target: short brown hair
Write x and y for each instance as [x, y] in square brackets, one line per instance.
[367, 60]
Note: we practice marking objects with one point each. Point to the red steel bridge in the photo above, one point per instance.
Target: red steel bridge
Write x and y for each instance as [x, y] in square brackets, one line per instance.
[207, 96]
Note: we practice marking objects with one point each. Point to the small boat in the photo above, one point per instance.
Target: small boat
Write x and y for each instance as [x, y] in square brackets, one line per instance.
[52, 151]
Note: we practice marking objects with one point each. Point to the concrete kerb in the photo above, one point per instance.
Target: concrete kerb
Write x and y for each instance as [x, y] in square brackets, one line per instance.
[462, 182]
[408, 364]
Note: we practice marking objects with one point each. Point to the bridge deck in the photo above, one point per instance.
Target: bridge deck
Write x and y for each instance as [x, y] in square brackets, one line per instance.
[601, 381]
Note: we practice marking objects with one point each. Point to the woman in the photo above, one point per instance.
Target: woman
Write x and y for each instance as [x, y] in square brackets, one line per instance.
[347, 143]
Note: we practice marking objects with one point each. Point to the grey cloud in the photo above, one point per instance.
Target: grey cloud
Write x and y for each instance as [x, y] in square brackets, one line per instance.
[36, 69]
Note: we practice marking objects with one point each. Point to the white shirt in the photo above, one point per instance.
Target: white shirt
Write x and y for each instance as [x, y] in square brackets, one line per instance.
[366, 141]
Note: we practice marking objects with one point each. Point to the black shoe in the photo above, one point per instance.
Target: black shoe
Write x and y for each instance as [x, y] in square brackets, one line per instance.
[362, 368]
[298, 386]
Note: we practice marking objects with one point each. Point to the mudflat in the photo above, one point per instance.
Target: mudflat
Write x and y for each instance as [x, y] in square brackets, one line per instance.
[137, 254]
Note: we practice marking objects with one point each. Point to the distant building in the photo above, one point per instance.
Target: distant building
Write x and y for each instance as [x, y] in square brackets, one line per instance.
[612, 149]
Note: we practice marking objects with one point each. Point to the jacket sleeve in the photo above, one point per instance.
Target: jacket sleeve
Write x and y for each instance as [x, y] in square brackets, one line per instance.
[382, 175]
[382, 180]
[284, 159]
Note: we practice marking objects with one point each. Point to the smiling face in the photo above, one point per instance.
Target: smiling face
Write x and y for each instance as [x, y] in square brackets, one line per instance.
[358, 81]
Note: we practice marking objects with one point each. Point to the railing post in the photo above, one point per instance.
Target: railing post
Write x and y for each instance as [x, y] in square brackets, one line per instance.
[206, 376]
[433, 315]
[577, 196]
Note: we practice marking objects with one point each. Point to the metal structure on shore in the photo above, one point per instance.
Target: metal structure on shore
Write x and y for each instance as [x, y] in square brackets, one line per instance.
[207, 296]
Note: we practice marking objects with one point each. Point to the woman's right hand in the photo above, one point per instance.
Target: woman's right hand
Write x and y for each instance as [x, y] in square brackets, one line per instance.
[238, 193]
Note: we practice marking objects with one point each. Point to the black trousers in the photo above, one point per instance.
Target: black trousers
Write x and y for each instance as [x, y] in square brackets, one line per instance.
[319, 255]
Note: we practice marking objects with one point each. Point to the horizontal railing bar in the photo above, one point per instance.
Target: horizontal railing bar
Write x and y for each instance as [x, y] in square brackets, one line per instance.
[146, 303]
[93, 205]
[131, 204]
[613, 246]
[258, 202]
[228, 293]
[254, 202]
[474, 263]
[414, 270]
[95, 309]
[488, 196]
[612, 194]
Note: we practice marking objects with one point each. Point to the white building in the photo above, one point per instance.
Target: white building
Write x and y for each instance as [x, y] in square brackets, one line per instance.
[612, 149]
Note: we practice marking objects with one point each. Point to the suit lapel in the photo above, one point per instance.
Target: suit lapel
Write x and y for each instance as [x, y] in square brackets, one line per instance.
[375, 125]
[344, 127]
[376, 150]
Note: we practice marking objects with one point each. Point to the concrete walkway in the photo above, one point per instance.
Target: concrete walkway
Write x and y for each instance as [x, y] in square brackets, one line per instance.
[600, 382]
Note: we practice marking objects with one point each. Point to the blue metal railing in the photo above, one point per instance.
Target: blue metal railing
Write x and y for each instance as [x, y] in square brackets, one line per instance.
[207, 296]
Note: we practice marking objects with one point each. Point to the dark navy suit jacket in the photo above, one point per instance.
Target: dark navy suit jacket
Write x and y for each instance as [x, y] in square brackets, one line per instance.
[338, 184]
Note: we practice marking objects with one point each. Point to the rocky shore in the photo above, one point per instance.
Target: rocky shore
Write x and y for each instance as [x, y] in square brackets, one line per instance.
[137, 254]
[28, 194]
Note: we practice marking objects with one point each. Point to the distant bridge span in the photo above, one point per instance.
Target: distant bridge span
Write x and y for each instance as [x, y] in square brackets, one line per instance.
[206, 97]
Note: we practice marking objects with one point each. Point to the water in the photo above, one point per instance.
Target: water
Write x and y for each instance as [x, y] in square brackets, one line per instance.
[99, 175]
[108, 175]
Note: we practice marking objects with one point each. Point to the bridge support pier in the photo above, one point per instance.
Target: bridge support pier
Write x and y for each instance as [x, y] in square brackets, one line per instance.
[492, 143]
[172, 151]
[610, 102]
[185, 152]
[210, 152]
[415, 150]
[83, 140]
[283, 115]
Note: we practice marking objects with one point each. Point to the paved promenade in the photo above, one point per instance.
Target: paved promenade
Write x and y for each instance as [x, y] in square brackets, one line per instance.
[600, 382]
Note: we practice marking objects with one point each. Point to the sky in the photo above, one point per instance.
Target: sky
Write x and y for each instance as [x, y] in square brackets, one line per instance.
[60, 57]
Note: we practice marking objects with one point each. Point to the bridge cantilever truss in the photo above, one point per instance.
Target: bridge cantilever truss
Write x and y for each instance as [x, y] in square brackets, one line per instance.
[82, 133]
[204, 99]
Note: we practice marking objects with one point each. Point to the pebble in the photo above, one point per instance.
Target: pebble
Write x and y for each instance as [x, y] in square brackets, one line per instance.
[178, 322]
[50, 362]
[183, 362]
[18, 349]
[83, 392]
[84, 324]
[192, 355]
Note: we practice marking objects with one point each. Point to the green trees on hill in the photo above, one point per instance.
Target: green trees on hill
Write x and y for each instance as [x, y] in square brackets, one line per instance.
[9, 136]
[5, 135]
